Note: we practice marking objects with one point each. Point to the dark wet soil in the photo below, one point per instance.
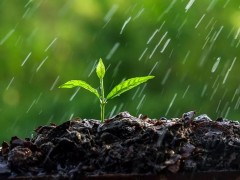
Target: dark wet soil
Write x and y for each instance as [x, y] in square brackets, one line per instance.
[125, 145]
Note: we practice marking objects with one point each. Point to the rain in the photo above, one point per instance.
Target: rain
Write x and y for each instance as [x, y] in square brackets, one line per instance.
[190, 46]
[25, 60]
[124, 24]
[5, 38]
[215, 65]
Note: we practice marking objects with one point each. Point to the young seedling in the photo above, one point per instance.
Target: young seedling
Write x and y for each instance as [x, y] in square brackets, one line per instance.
[116, 91]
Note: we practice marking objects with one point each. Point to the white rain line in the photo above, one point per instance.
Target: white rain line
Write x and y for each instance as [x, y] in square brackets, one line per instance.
[205, 43]
[9, 84]
[53, 41]
[165, 45]
[219, 31]
[5, 38]
[141, 102]
[214, 92]
[40, 65]
[120, 107]
[227, 112]
[166, 76]
[30, 107]
[155, 32]
[181, 26]
[171, 103]
[209, 23]
[204, 90]
[25, 13]
[113, 110]
[155, 65]
[38, 98]
[142, 54]
[139, 14]
[218, 105]
[216, 65]
[167, 10]
[110, 13]
[93, 68]
[189, 4]
[224, 6]
[135, 94]
[184, 94]
[54, 83]
[28, 3]
[25, 60]
[152, 36]
[113, 50]
[140, 93]
[74, 94]
[238, 43]
[226, 76]
[200, 21]
[125, 23]
[237, 104]
[185, 58]
[215, 82]
[211, 5]
[234, 95]
[71, 116]
[158, 44]
[238, 31]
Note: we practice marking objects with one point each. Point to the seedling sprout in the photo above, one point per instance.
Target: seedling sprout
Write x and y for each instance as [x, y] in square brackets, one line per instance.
[116, 91]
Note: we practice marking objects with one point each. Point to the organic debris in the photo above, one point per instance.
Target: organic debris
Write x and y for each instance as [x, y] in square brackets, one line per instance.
[125, 145]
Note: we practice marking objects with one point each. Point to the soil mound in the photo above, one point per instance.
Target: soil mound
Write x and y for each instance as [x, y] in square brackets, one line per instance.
[125, 144]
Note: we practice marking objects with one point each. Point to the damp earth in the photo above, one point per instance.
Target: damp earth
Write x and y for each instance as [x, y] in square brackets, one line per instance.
[125, 144]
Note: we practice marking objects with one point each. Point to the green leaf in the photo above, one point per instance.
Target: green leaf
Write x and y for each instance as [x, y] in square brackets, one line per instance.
[100, 69]
[79, 83]
[127, 85]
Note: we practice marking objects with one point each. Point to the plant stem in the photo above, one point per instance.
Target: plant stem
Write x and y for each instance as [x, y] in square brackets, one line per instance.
[102, 100]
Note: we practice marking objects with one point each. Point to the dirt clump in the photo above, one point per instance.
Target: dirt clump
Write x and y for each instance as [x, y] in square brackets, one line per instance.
[125, 144]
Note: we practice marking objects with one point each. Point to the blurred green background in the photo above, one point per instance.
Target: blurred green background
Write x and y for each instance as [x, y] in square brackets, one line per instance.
[192, 47]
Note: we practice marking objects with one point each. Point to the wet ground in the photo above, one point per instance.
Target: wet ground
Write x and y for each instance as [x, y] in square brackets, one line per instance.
[125, 145]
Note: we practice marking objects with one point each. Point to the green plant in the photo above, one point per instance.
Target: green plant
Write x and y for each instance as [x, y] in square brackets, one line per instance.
[116, 91]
